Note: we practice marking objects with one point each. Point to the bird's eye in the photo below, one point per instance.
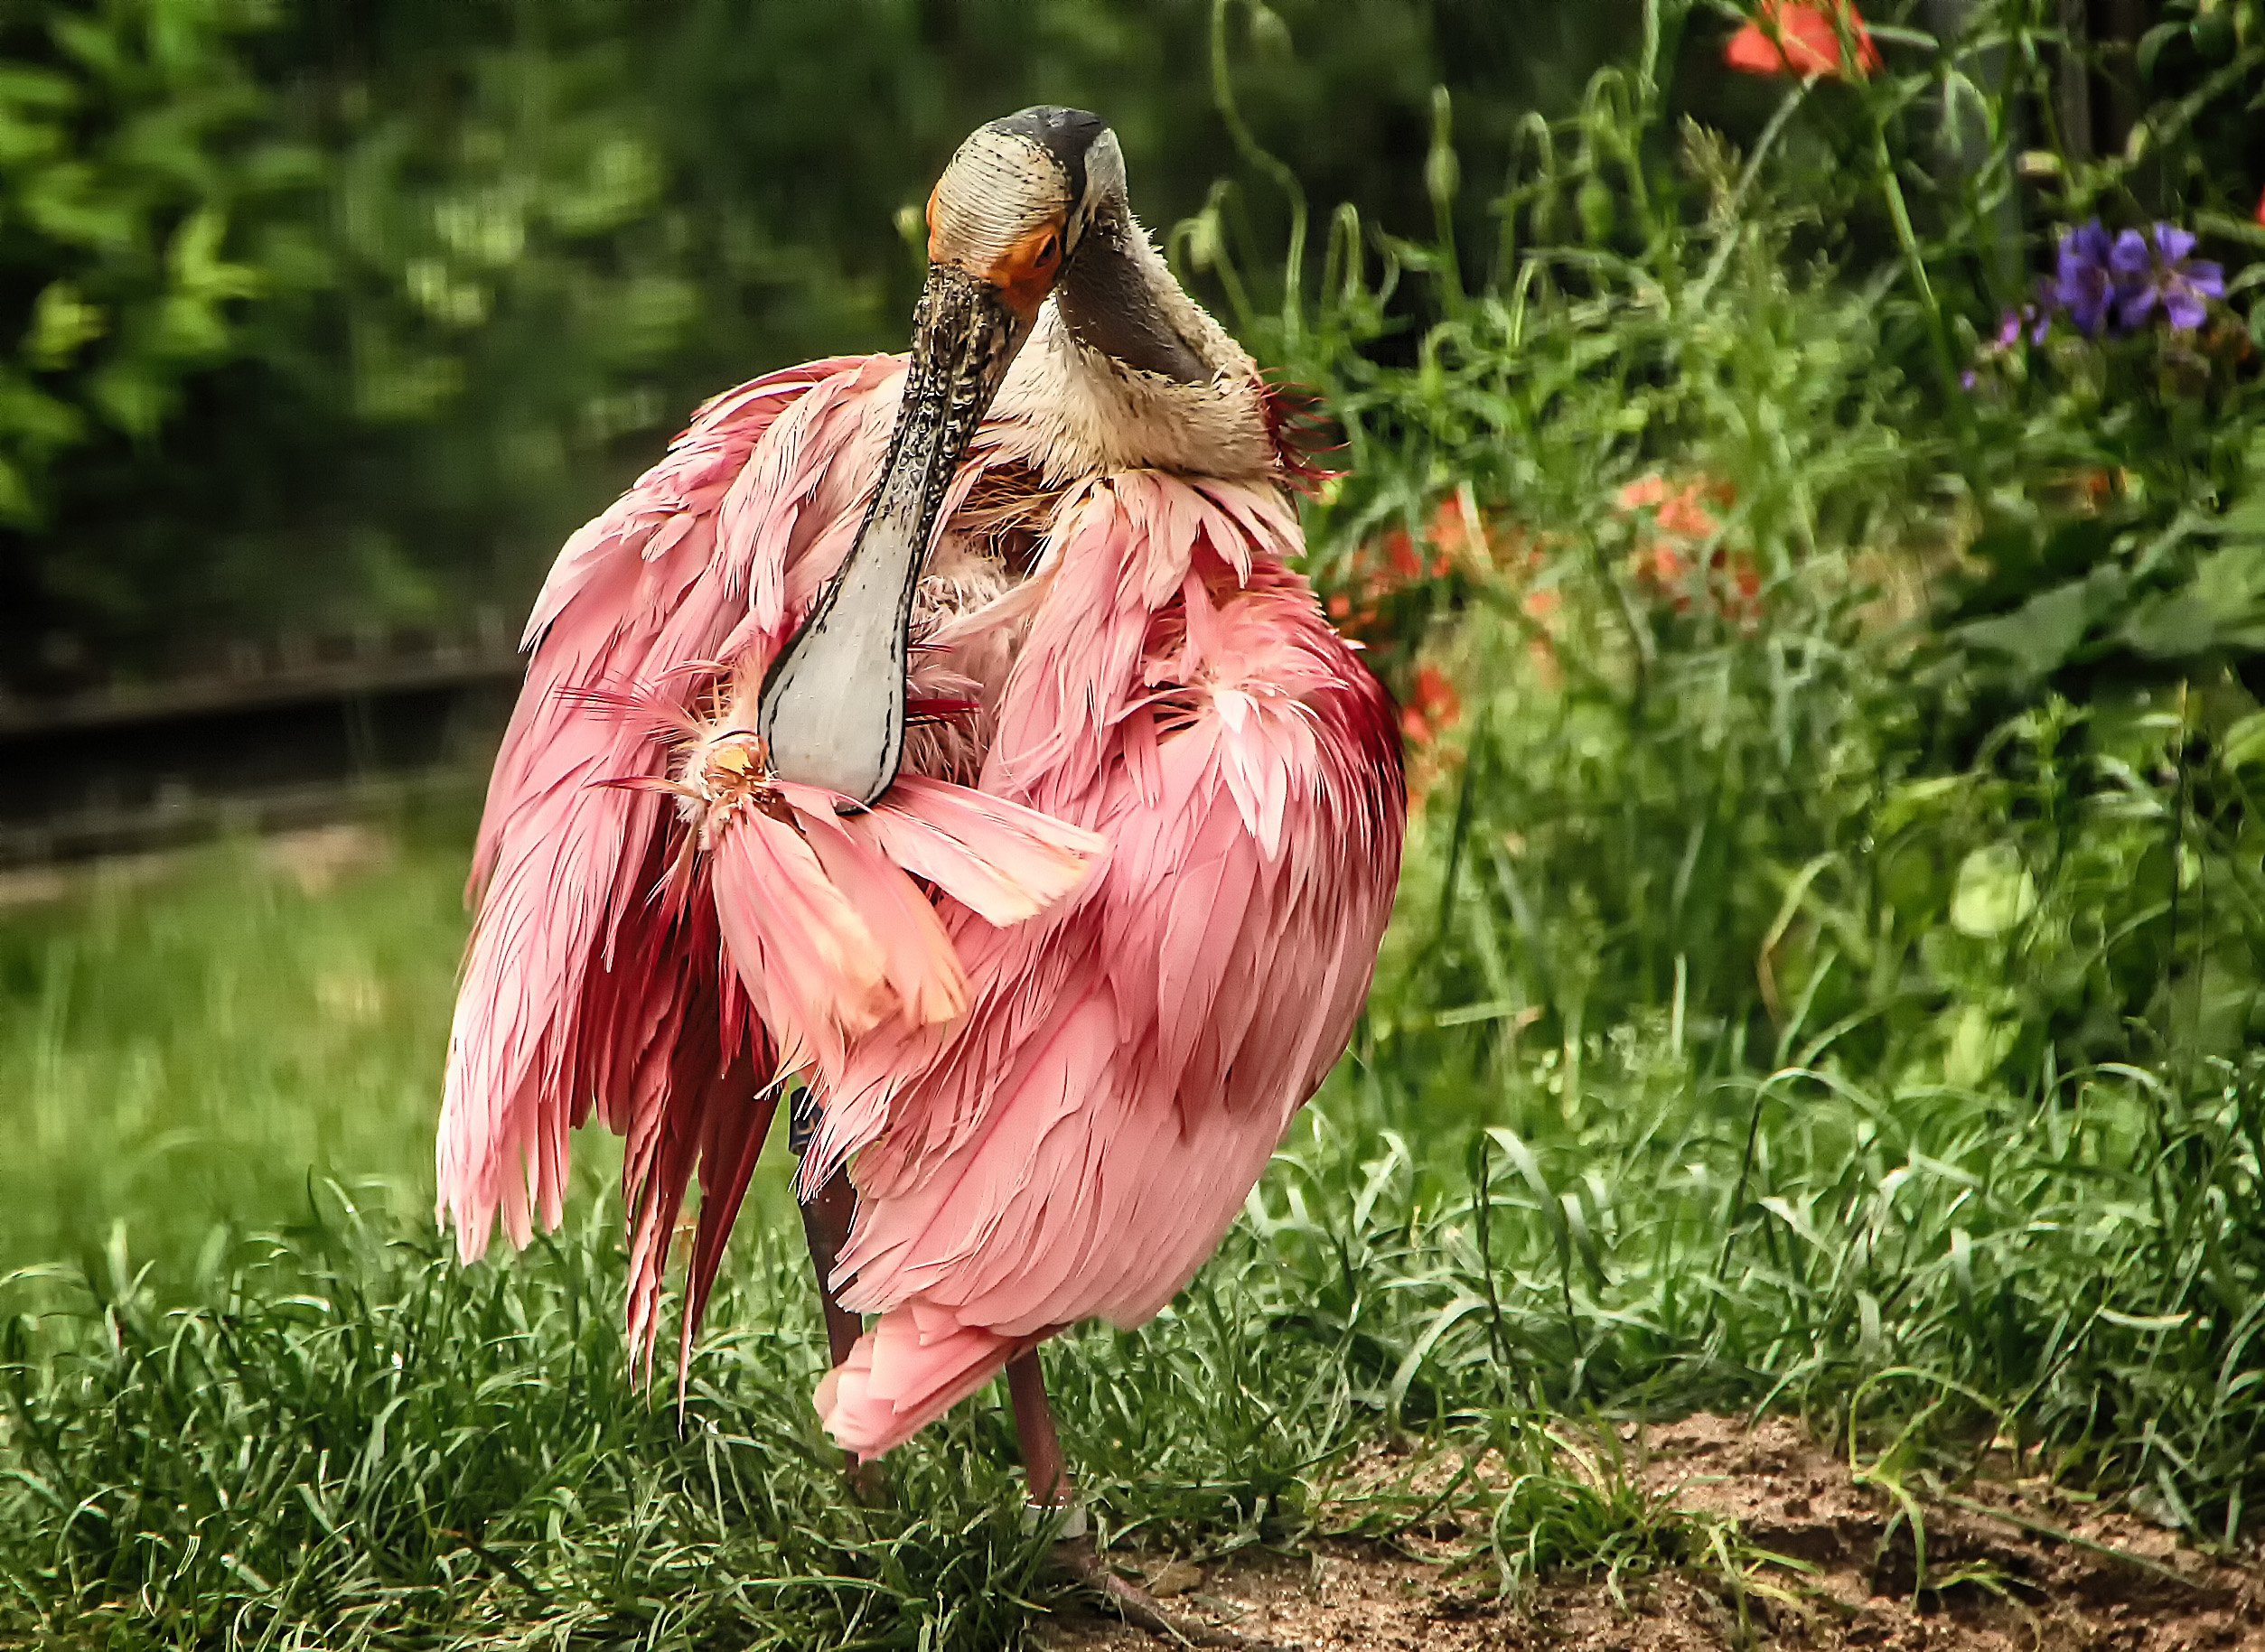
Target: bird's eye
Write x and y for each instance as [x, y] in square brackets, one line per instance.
[1049, 249]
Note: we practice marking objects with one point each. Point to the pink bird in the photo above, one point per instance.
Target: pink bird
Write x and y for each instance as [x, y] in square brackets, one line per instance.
[945, 742]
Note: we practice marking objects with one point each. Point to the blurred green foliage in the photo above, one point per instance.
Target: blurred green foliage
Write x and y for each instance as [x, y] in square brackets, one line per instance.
[130, 152]
[342, 317]
[1784, 658]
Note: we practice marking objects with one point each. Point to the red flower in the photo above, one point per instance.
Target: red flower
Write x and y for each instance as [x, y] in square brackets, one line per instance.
[1400, 555]
[1739, 588]
[1745, 577]
[1432, 709]
[1787, 37]
[2261, 208]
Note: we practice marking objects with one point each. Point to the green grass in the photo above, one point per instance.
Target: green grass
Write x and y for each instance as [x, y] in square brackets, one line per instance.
[336, 1436]
[181, 1055]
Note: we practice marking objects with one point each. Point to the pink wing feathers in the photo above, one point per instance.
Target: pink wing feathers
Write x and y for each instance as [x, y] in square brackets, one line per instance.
[1079, 1143]
[557, 1012]
[663, 931]
[1059, 1022]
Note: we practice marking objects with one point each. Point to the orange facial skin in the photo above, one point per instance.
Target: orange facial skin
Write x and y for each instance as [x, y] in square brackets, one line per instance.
[1024, 274]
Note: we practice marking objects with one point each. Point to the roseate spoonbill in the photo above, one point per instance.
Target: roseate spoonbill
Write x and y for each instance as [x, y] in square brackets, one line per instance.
[946, 741]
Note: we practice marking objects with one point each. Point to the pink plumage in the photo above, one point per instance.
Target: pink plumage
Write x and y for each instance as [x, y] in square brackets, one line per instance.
[1058, 993]
[1057, 1021]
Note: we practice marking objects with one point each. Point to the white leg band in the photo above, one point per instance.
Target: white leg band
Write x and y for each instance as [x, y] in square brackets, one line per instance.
[1073, 1523]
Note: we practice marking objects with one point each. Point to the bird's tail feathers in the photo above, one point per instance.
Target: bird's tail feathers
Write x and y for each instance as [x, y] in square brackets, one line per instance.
[915, 1364]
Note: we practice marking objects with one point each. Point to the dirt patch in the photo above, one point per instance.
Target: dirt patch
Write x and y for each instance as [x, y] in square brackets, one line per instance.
[2011, 1566]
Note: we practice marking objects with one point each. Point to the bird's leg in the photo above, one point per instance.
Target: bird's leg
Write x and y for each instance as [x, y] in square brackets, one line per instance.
[1047, 1475]
[1043, 1470]
[825, 1225]
[826, 1215]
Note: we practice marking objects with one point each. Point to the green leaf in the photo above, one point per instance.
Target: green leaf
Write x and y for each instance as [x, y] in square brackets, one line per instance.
[2230, 582]
[1978, 1043]
[23, 87]
[2244, 743]
[62, 325]
[132, 398]
[2177, 626]
[15, 498]
[2220, 606]
[2153, 42]
[2039, 635]
[1994, 892]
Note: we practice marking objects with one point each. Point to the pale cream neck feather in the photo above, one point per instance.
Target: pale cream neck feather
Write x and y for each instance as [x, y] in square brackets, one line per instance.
[1069, 411]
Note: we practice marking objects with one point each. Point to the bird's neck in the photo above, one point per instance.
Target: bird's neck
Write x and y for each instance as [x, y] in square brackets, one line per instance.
[1124, 370]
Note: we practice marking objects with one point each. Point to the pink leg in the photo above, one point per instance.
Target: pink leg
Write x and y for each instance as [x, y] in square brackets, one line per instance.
[1048, 1476]
[825, 1225]
[1043, 1470]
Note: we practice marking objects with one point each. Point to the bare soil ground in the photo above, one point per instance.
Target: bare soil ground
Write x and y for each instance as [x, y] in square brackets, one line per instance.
[2003, 1582]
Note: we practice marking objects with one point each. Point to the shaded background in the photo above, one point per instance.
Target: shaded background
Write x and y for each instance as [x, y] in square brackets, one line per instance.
[341, 316]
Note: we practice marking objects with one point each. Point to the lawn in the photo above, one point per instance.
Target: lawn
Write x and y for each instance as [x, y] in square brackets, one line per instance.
[207, 1044]
[336, 1435]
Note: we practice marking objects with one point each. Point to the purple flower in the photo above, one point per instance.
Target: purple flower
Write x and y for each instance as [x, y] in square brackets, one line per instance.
[2031, 318]
[2163, 273]
[2036, 320]
[2085, 283]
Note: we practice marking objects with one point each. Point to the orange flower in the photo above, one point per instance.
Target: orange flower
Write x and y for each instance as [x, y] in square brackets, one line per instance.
[1432, 709]
[1400, 555]
[1663, 567]
[1682, 511]
[1787, 37]
[1669, 545]
[1683, 515]
[2261, 208]
[1375, 570]
[1680, 522]
[1449, 534]
[1645, 493]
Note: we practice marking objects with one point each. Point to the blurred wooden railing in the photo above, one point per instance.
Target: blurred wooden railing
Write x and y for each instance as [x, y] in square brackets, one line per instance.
[309, 731]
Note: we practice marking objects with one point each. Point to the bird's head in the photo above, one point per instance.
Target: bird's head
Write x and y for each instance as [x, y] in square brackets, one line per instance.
[1011, 207]
[1004, 221]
